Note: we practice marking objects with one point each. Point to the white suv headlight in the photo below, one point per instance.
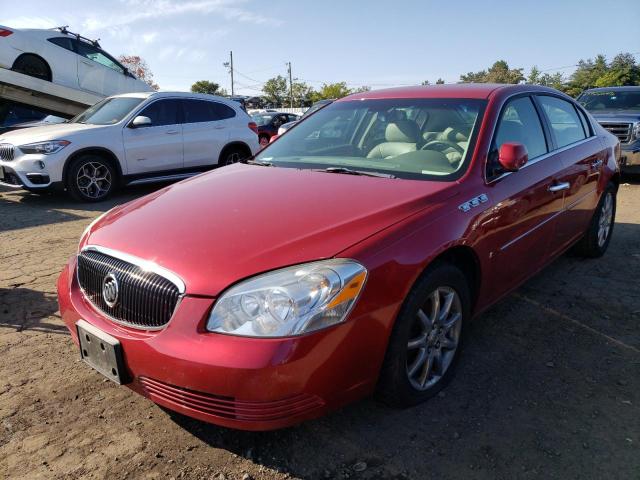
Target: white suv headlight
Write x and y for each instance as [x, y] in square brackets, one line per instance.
[636, 130]
[45, 148]
[291, 301]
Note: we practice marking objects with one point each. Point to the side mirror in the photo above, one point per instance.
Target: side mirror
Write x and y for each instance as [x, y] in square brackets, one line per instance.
[141, 121]
[512, 156]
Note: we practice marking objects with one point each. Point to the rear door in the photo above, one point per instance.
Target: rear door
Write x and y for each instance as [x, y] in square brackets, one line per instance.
[158, 147]
[521, 225]
[60, 51]
[206, 131]
[582, 155]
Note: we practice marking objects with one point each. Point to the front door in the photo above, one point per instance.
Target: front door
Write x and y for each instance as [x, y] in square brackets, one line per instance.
[519, 229]
[97, 72]
[157, 147]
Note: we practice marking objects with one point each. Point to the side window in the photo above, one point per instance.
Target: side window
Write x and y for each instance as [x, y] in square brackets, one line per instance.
[566, 126]
[222, 111]
[519, 123]
[63, 42]
[197, 111]
[96, 55]
[162, 112]
[585, 123]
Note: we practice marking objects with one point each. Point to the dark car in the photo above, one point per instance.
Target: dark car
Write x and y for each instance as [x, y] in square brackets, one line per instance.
[269, 123]
[15, 115]
[313, 108]
[617, 109]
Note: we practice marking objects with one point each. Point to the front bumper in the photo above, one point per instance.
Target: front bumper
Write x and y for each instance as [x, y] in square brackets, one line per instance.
[34, 172]
[630, 157]
[237, 382]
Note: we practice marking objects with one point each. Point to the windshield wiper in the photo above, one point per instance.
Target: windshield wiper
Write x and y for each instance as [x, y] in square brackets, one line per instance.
[348, 171]
[262, 163]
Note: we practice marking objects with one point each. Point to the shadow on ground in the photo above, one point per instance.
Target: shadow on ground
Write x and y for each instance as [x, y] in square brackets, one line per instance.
[25, 309]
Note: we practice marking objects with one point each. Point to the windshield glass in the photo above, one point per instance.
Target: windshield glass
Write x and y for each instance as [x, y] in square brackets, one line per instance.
[262, 120]
[316, 106]
[108, 112]
[611, 100]
[428, 139]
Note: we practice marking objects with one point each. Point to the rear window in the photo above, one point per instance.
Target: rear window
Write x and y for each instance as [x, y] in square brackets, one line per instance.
[566, 126]
[197, 111]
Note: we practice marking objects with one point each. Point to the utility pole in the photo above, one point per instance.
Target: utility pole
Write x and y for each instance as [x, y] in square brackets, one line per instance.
[229, 65]
[290, 84]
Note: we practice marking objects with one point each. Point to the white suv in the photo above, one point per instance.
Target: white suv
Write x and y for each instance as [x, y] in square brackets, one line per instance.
[128, 139]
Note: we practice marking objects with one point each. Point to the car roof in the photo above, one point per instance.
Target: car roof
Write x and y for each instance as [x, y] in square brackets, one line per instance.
[166, 94]
[614, 89]
[454, 90]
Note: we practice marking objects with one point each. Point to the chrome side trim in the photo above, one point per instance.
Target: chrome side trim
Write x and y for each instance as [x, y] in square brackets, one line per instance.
[163, 178]
[141, 263]
[520, 237]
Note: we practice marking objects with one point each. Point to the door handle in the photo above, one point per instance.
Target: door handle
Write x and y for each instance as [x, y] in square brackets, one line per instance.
[172, 132]
[558, 187]
[89, 64]
[218, 127]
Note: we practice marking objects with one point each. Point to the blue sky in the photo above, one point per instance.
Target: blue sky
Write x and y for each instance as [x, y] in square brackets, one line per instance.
[375, 43]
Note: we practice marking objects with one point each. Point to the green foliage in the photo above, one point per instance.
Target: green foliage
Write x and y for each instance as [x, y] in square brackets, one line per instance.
[440, 81]
[499, 72]
[276, 90]
[205, 86]
[302, 94]
[331, 90]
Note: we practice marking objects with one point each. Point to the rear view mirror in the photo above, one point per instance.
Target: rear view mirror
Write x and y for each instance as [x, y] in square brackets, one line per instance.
[141, 121]
[512, 156]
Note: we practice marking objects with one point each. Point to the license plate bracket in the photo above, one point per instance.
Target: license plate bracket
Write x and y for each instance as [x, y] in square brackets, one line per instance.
[101, 351]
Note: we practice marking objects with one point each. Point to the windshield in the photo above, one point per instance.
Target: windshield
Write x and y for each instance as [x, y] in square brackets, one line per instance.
[426, 139]
[315, 107]
[611, 100]
[108, 112]
[262, 120]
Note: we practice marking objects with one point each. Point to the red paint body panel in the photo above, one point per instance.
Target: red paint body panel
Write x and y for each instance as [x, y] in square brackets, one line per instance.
[221, 227]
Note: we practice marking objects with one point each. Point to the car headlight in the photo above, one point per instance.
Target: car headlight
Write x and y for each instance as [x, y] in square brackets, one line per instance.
[636, 130]
[291, 301]
[45, 148]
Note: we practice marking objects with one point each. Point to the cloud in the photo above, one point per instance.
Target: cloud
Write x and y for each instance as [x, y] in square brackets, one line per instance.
[149, 37]
[31, 22]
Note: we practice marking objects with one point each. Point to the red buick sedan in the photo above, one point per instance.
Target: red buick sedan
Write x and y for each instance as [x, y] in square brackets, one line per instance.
[347, 258]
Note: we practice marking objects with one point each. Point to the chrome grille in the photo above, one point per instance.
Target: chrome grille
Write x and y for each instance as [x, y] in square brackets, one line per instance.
[6, 151]
[620, 130]
[145, 299]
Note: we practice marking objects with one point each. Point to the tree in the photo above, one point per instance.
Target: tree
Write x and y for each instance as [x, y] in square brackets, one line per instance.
[555, 80]
[140, 68]
[302, 94]
[623, 70]
[440, 81]
[205, 86]
[362, 89]
[499, 72]
[332, 90]
[276, 90]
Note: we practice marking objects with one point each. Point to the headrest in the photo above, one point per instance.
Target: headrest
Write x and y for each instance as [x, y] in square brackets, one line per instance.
[402, 131]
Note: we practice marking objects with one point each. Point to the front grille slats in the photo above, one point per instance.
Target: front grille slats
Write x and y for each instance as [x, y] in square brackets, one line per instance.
[146, 299]
[6, 151]
[619, 129]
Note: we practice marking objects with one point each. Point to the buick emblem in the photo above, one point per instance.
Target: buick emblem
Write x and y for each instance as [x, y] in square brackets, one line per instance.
[110, 290]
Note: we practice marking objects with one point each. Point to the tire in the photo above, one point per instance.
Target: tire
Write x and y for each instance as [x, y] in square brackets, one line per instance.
[264, 141]
[233, 155]
[413, 338]
[596, 240]
[33, 66]
[90, 178]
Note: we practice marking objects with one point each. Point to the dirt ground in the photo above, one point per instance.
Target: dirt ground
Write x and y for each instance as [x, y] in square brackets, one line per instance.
[548, 387]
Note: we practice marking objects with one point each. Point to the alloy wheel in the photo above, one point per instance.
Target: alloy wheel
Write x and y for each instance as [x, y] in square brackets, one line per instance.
[94, 180]
[606, 217]
[434, 338]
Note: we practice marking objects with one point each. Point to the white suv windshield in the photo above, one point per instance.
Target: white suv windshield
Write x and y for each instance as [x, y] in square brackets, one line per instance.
[109, 111]
[428, 139]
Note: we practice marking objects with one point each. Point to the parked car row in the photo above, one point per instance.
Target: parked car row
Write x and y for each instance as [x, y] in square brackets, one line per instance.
[128, 139]
[348, 257]
[269, 123]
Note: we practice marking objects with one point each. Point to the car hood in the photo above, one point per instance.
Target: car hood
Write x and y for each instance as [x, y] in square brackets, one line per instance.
[617, 116]
[237, 221]
[44, 133]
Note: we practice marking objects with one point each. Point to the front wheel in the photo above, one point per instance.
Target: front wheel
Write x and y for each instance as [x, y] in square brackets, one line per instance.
[90, 178]
[426, 339]
[596, 240]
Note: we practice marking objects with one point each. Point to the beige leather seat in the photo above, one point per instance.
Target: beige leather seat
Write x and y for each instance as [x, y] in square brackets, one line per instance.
[401, 137]
[452, 135]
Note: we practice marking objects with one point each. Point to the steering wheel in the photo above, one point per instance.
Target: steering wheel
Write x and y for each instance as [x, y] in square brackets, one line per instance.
[441, 145]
